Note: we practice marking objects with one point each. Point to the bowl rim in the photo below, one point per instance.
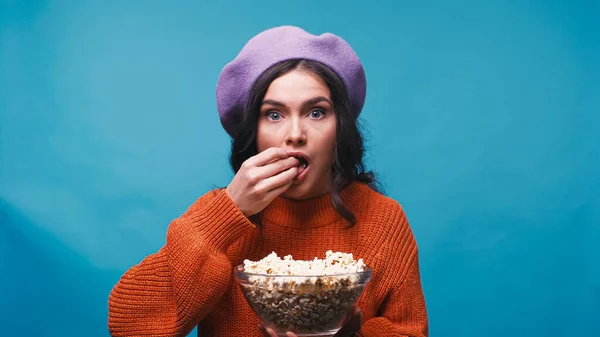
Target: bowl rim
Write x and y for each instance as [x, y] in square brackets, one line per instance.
[239, 270]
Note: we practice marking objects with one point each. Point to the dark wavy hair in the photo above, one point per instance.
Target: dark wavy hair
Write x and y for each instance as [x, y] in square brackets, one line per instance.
[348, 163]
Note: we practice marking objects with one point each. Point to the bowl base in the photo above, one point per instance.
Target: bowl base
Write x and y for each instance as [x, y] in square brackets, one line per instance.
[313, 334]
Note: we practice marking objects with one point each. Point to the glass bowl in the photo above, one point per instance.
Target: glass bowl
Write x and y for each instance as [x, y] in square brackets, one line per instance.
[307, 305]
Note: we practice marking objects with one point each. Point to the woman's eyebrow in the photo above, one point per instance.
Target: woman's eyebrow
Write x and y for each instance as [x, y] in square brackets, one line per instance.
[311, 101]
[272, 102]
[316, 100]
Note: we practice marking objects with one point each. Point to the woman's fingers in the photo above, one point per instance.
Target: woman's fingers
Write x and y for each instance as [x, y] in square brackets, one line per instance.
[274, 193]
[352, 324]
[267, 332]
[268, 155]
[269, 185]
[272, 169]
[263, 331]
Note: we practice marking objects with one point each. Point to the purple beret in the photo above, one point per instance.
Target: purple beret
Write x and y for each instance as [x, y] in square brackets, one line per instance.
[279, 44]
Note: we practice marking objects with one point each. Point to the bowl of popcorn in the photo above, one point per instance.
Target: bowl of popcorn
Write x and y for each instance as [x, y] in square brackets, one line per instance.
[306, 297]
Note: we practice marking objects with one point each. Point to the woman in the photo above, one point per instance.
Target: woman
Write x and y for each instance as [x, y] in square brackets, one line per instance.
[290, 100]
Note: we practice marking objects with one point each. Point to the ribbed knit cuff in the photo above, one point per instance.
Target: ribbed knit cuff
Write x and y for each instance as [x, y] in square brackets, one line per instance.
[221, 222]
[377, 327]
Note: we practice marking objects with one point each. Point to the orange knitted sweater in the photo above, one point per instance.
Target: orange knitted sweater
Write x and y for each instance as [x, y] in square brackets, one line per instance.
[189, 281]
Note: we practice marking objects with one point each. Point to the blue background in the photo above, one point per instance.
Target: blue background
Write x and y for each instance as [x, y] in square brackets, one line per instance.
[482, 121]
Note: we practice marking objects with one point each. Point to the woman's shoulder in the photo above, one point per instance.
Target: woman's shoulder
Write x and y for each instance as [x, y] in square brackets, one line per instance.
[387, 236]
[383, 215]
[378, 202]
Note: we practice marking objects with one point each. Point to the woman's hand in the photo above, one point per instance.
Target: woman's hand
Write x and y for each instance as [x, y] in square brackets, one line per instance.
[261, 179]
[350, 327]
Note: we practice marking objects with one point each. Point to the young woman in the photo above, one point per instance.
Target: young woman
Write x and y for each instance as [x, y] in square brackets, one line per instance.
[290, 100]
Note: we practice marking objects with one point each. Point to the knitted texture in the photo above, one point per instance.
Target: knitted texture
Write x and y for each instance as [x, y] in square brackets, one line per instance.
[189, 281]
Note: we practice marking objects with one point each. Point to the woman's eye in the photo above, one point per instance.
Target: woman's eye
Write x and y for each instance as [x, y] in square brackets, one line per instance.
[272, 115]
[317, 114]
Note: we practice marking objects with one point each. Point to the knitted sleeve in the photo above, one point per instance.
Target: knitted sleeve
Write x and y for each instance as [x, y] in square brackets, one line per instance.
[403, 313]
[169, 292]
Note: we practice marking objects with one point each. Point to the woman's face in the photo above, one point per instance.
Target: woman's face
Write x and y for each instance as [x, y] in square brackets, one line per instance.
[297, 115]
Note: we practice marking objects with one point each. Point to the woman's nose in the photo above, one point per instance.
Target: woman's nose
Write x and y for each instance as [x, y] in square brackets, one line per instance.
[296, 134]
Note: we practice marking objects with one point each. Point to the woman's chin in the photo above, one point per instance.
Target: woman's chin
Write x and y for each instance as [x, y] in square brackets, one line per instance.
[296, 191]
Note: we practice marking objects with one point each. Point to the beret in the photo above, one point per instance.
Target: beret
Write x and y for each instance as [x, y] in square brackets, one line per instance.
[279, 44]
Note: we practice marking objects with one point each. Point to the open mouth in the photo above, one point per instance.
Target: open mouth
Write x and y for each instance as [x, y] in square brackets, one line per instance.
[303, 165]
[303, 161]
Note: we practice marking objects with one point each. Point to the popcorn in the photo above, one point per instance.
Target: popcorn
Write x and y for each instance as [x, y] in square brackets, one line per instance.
[333, 264]
[304, 295]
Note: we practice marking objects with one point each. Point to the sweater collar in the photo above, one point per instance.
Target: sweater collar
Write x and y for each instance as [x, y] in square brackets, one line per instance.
[315, 212]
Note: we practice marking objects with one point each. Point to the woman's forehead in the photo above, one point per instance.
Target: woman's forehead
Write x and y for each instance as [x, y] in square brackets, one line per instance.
[296, 86]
